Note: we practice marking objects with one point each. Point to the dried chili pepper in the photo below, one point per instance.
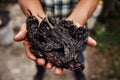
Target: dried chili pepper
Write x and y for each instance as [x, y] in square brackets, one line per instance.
[56, 41]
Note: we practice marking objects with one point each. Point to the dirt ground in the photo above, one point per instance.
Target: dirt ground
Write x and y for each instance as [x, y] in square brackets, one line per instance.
[15, 65]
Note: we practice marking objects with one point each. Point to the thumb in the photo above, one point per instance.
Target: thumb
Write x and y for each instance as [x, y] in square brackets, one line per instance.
[91, 41]
[21, 34]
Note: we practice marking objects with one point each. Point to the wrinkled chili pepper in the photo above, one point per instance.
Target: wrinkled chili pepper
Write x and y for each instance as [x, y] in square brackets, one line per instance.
[56, 41]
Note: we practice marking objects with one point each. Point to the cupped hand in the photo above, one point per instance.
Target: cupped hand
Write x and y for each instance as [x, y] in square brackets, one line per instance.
[21, 36]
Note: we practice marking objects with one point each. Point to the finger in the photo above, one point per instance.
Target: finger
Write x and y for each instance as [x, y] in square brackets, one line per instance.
[58, 71]
[41, 61]
[49, 65]
[27, 50]
[91, 41]
[21, 34]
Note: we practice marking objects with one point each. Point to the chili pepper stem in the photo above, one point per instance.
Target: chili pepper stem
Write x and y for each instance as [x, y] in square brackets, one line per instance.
[50, 25]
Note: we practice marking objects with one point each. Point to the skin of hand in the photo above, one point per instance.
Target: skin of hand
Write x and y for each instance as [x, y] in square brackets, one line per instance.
[21, 37]
[86, 6]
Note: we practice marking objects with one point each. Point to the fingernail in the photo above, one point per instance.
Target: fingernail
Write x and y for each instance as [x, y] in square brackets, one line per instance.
[16, 36]
[49, 66]
[41, 62]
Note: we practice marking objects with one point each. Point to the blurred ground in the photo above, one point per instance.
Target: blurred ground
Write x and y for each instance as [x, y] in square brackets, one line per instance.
[14, 64]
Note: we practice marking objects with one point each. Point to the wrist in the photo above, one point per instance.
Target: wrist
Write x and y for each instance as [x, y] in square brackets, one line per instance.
[81, 21]
[37, 14]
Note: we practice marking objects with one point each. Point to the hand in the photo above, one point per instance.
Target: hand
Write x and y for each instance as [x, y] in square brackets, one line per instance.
[21, 36]
[90, 41]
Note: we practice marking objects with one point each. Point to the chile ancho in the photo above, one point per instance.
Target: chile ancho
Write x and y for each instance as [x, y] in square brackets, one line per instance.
[58, 41]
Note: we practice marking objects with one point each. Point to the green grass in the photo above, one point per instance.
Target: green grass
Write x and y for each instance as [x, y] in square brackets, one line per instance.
[106, 36]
